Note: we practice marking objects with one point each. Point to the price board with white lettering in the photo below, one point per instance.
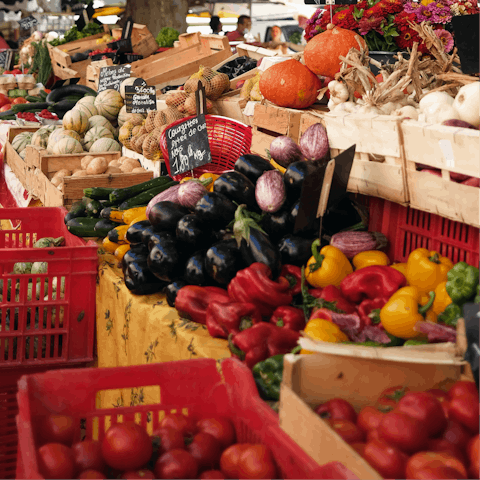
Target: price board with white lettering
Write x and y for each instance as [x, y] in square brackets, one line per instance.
[28, 22]
[112, 77]
[140, 98]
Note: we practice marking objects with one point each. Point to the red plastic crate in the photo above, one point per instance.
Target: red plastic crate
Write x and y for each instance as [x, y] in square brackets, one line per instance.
[193, 387]
[228, 139]
[43, 327]
[408, 229]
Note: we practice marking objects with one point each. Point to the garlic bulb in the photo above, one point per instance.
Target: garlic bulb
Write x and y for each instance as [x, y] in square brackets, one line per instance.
[467, 103]
[435, 98]
[408, 111]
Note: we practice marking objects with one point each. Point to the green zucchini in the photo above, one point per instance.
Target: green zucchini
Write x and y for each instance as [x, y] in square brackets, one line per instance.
[103, 225]
[43, 94]
[31, 98]
[77, 210]
[28, 107]
[83, 227]
[93, 208]
[144, 197]
[98, 193]
[63, 106]
[128, 192]
[62, 92]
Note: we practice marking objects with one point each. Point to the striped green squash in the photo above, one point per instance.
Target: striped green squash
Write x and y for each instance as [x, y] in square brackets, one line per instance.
[41, 136]
[58, 134]
[67, 145]
[76, 120]
[20, 142]
[88, 100]
[108, 103]
[88, 108]
[105, 145]
[94, 134]
[99, 121]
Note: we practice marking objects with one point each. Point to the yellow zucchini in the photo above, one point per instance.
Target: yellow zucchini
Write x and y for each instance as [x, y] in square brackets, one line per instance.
[140, 218]
[117, 234]
[121, 251]
[112, 215]
[109, 246]
[130, 215]
[281, 169]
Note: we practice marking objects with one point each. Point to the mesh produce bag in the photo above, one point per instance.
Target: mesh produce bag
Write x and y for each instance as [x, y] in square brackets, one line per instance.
[151, 144]
[215, 83]
[251, 89]
[185, 103]
[131, 129]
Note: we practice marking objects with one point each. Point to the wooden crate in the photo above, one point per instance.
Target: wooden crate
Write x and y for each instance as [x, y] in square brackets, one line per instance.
[450, 149]
[231, 105]
[12, 158]
[143, 42]
[41, 169]
[177, 64]
[93, 72]
[379, 165]
[61, 59]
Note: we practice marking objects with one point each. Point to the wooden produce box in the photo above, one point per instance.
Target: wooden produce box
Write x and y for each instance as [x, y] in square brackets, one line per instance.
[177, 64]
[309, 380]
[154, 166]
[43, 167]
[93, 72]
[453, 150]
[143, 42]
[231, 105]
[12, 158]
[379, 165]
[258, 52]
[61, 59]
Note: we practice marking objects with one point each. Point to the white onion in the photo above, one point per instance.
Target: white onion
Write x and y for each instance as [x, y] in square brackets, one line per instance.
[435, 98]
[467, 103]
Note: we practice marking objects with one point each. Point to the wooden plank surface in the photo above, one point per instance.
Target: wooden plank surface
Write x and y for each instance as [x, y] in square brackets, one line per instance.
[284, 121]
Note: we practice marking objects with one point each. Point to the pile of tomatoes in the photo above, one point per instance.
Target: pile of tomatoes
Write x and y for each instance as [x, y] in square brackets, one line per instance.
[179, 448]
[47, 115]
[105, 50]
[414, 435]
[27, 116]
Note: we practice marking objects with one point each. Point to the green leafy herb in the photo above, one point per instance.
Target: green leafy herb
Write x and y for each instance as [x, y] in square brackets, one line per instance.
[167, 36]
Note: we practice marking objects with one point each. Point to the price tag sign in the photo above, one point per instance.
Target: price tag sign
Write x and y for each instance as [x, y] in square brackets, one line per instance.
[7, 58]
[112, 77]
[140, 98]
[28, 22]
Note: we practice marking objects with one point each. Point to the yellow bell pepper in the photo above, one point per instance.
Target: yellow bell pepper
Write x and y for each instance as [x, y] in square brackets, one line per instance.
[425, 270]
[207, 176]
[442, 299]
[325, 331]
[329, 267]
[401, 267]
[368, 258]
[404, 309]
[187, 179]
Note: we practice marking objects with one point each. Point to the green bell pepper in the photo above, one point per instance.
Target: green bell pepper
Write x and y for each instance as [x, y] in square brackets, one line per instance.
[451, 314]
[268, 377]
[462, 280]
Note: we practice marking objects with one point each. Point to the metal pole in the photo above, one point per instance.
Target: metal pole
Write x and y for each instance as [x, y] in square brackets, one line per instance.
[250, 7]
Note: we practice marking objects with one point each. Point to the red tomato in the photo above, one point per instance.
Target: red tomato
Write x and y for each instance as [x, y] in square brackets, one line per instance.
[369, 418]
[18, 100]
[434, 459]
[4, 100]
[359, 447]
[442, 445]
[126, 446]
[186, 425]
[463, 388]
[6, 107]
[211, 474]
[347, 430]
[206, 450]
[91, 474]
[337, 409]
[472, 451]
[456, 434]
[373, 435]
[88, 456]
[138, 474]
[220, 428]
[442, 398]
[55, 461]
[176, 464]
[389, 461]
[389, 398]
[167, 439]
[58, 429]
[256, 461]
[465, 411]
[425, 408]
[402, 431]
[230, 458]
[436, 472]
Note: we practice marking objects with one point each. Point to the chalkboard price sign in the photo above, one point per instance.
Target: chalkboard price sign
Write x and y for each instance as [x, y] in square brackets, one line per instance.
[188, 145]
[6, 59]
[28, 22]
[140, 98]
[112, 77]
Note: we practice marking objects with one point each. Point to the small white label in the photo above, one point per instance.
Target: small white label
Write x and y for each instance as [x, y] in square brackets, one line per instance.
[447, 150]
[249, 109]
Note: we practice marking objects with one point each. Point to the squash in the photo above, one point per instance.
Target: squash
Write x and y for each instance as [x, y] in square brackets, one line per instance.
[88, 100]
[76, 120]
[290, 84]
[41, 136]
[96, 133]
[89, 108]
[20, 142]
[105, 145]
[58, 134]
[108, 103]
[321, 55]
[67, 145]
[128, 81]
[100, 121]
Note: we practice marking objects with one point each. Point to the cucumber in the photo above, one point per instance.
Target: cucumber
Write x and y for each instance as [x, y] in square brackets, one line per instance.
[62, 92]
[93, 208]
[77, 210]
[99, 193]
[31, 98]
[128, 192]
[83, 227]
[144, 197]
[43, 94]
[28, 107]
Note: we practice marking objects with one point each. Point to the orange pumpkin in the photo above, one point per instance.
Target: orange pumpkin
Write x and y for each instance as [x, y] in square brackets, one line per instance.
[290, 84]
[322, 52]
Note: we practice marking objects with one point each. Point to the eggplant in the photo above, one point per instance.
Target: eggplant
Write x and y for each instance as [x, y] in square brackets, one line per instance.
[215, 209]
[308, 231]
[171, 291]
[195, 272]
[165, 261]
[260, 249]
[294, 177]
[140, 280]
[161, 237]
[342, 216]
[147, 233]
[295, 250]
[131, 257]
[193, 231]
[252, 166]
[278, 224]
[139, 249]
[222, 261]
[237, 187]
[134, 232]
[165, 215]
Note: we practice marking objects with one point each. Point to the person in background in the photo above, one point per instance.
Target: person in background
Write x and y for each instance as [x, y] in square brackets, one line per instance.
[216, 25]
[244, 24]
[276, 34]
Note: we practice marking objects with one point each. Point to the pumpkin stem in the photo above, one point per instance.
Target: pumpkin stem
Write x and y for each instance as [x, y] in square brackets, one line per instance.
[330, 26]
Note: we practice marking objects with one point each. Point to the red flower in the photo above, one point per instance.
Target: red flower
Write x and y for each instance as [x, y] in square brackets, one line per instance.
[344, 19]
[389, 6]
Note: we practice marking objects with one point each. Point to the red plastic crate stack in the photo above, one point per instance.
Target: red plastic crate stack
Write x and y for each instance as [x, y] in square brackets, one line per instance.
[408, 229]
[41, 327]
[193, 387]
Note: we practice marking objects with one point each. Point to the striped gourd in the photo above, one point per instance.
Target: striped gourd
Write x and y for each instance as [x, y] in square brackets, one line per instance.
[108, 103]
[99, 121]
[76, 120]
[88, 100]
[20, 142]
[41, 136]
[67, 145]
[58, 134]
[88, 108]
[94, 134]
[105, 145]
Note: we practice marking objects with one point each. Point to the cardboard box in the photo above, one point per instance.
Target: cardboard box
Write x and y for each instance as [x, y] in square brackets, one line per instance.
[453, 150]
[309, 380]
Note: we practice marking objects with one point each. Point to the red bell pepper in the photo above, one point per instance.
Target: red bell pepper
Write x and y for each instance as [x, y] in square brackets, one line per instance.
[294, 276]
[376, 281]
[254, 285]
[369, 310]
[226, 318]
[262, 341]
[289, 317]
[192, 301]
[332, 295]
